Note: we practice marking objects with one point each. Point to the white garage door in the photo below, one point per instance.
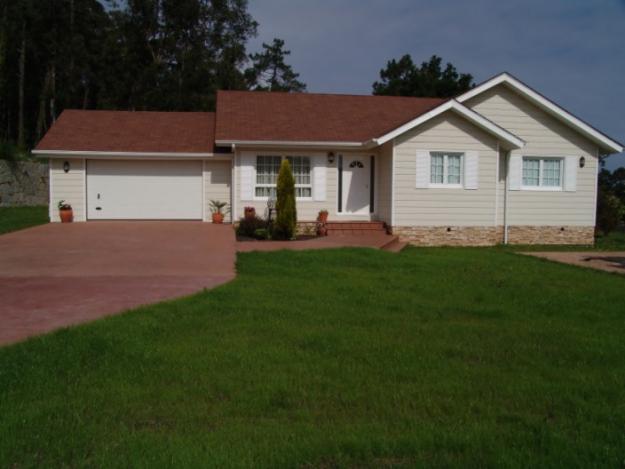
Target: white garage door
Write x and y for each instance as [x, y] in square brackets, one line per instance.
[148, 190]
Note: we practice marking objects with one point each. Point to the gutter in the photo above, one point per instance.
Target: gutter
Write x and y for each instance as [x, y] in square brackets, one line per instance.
[119, 154]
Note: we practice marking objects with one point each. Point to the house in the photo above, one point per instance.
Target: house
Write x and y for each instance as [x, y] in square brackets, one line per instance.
[499, 163]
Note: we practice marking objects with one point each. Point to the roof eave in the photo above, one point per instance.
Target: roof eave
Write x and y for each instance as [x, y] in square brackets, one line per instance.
[120, 154]
[290, 144]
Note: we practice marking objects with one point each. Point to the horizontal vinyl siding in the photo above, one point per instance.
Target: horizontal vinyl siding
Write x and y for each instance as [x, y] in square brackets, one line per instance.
[435, 206]
[544, 136]
[385, 182]
[307, 210]
[67, 186]
[217, 185]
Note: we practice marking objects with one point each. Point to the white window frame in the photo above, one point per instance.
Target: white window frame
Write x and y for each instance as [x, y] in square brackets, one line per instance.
[445, 184]
[282, 157]
[540, 187]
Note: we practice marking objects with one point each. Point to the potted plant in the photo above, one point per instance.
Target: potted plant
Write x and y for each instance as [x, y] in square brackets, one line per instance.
[249, 212]
[65, 212]
[323, 216]
[218, 209]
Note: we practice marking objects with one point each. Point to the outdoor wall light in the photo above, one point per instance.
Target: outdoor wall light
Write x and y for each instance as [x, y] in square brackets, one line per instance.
[582, 162]
[330, 157]
[66, 166]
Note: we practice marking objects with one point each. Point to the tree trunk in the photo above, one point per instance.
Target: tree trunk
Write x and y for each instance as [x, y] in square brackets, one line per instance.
[21, 140]
[52, 85]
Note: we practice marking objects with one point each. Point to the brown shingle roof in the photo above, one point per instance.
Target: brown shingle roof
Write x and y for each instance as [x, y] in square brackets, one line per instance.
[127, 131]
[307, 117]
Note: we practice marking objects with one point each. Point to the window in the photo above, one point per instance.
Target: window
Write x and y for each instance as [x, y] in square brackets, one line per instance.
[542, 172]
[446, 169]
[300, 165]
[268, 167]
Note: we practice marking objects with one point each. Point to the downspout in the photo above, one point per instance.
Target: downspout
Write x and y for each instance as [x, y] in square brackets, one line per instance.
[233, 184]
[505, 199]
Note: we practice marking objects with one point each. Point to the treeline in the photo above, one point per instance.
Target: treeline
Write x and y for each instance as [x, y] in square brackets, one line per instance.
[131, 55]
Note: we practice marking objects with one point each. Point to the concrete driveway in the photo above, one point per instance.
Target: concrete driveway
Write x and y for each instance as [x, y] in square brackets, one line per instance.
[56, 275]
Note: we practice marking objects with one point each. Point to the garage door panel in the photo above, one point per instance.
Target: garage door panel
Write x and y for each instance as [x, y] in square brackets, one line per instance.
[144, 190]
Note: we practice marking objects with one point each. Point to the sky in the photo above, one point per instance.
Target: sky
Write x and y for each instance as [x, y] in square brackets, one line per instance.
[572, 51]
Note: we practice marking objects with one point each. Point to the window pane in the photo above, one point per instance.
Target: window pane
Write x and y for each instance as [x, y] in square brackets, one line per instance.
[531, 171]
[267, 168]
[453, 169]
[551, 172]
[436, 168]
[300, 165]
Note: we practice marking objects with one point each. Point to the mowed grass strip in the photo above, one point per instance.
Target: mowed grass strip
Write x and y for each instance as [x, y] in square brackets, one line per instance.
[18, 218]
[352, 357]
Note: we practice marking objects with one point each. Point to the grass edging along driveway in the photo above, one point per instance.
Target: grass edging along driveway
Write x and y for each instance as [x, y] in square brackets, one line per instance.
[459, 357]
[18, 218]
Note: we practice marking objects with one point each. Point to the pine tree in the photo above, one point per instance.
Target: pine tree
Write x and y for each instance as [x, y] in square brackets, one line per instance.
[286, 219]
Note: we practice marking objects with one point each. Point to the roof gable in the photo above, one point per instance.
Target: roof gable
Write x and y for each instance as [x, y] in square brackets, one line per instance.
[548, 106]
[130, 132]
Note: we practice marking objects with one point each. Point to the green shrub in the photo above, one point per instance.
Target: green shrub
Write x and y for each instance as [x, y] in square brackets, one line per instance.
[610, 211]
[286, 218]
[249, 225]
[261, 233]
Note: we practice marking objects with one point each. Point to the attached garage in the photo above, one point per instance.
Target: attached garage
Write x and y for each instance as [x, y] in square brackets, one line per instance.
[144, 190]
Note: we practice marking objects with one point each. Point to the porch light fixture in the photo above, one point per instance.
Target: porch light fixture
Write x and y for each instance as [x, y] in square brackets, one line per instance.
[582, 162]
[66, 166]
[331, 157]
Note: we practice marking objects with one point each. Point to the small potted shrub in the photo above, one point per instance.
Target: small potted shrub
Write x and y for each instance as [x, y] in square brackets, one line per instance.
[218, 209]
[249, 212]
[65, 212]
[323, 216]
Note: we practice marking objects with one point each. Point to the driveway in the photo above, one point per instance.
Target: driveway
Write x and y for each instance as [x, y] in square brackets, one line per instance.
[56, 275]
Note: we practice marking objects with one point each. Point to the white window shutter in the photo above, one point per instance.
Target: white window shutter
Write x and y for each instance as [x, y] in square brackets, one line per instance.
[515, 172]
[570, 173]
[247, 168]
[423, 169]
[471, 169]
[319, 179]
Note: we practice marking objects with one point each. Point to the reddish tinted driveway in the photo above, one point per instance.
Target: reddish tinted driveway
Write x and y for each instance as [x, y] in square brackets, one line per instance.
[60, 274]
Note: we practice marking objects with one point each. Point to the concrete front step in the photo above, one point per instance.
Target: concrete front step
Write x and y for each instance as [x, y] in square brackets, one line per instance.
[394, 245]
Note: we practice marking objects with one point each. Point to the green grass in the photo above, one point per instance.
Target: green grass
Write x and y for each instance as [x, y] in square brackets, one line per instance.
[18, 218]
[435, 357]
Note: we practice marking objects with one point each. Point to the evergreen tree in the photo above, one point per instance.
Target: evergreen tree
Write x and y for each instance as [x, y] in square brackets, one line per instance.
[404, 78]
[270, 72]
[286, 218]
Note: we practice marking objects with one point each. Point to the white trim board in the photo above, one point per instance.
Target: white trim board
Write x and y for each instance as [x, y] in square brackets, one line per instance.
[472, 116]
[290, 144]
[533, 96]
[121, 154]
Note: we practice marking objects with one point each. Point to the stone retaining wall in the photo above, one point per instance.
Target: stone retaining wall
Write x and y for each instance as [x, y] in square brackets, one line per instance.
[23, 183]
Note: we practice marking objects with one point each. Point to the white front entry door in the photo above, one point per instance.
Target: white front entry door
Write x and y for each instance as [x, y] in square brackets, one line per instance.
[356, 181]
[144, 190]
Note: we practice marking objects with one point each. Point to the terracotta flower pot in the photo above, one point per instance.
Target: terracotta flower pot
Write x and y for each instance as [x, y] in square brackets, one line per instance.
[249, 212]
[323, 217]
[67, 215]
[218, 217]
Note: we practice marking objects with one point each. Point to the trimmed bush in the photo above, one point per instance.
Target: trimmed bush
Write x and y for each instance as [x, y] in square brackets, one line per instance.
[286, 218]
[249, 225]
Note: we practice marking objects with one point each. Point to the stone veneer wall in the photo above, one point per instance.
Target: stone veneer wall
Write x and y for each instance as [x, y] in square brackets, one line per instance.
[23, 183]
[456, 236]
[491, 235]
[551, 235]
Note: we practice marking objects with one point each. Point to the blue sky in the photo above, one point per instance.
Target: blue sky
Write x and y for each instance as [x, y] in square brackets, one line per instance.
[573, 51]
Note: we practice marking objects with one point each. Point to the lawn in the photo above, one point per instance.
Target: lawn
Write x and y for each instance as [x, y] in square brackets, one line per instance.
[436, 357]
[17, 218]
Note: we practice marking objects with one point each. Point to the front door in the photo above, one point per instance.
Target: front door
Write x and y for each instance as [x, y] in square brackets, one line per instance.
[356, 185]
